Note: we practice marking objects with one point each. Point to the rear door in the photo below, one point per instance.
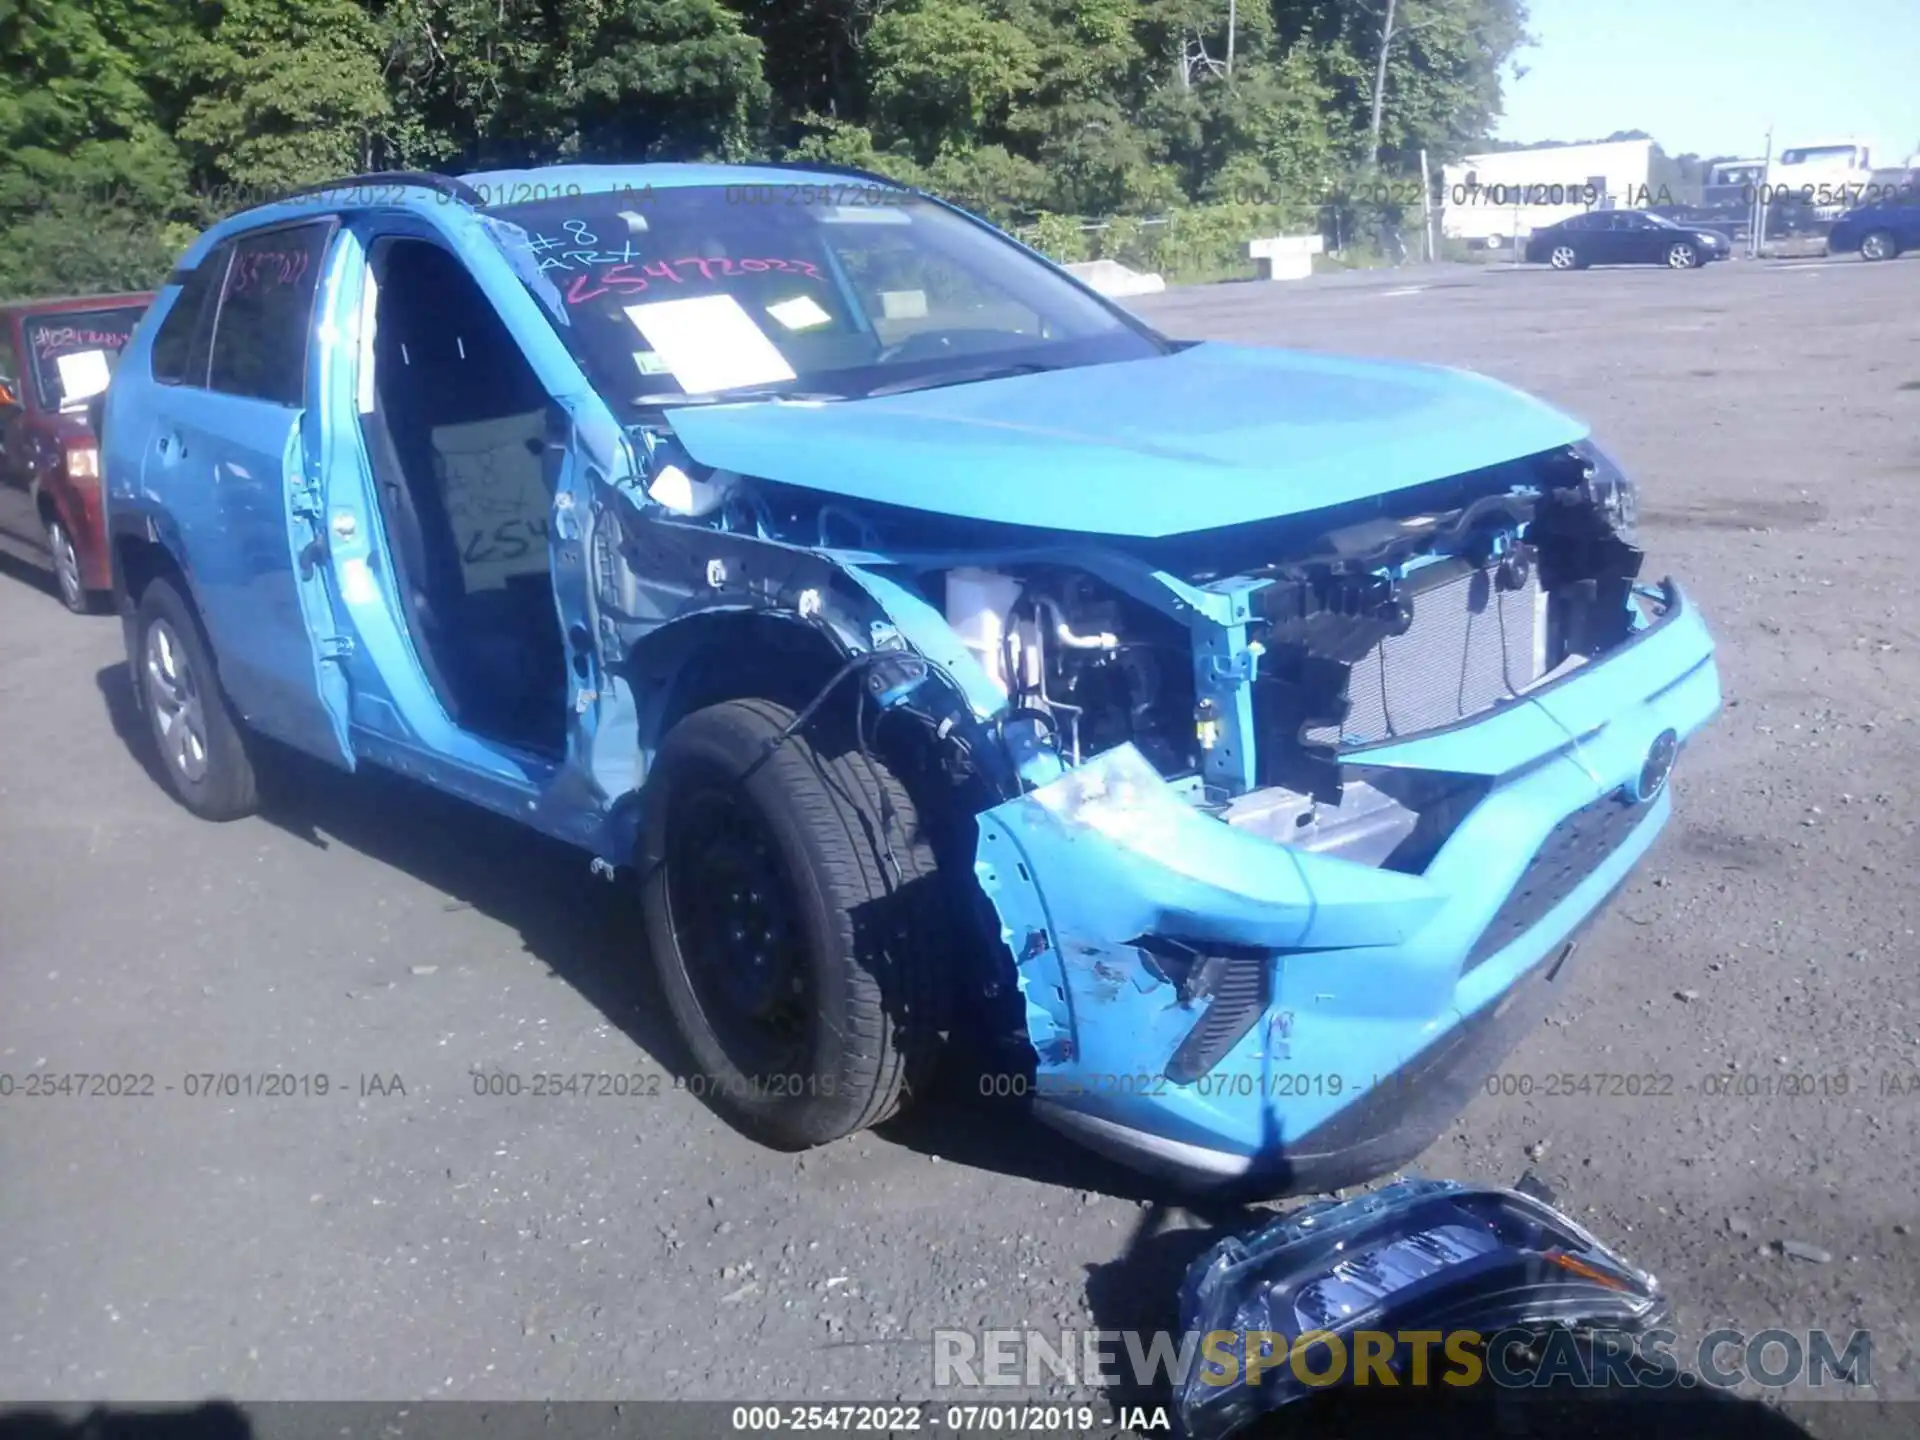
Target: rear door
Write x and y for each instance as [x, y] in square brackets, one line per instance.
[239, 446]
[1626, 242]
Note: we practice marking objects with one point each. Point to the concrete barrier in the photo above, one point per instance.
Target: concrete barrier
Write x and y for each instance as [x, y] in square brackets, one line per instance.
[1285, 257]
[1113, 279]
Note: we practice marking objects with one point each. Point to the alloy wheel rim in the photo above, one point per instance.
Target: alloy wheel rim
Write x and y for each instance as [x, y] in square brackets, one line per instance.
[1873, 247]
[1563, 258]
[179, 711]
[1681, 257]
[66, 566]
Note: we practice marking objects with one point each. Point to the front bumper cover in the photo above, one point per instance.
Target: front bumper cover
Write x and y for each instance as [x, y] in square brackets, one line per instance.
[1387, 997]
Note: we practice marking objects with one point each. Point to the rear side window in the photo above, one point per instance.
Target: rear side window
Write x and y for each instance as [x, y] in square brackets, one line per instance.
[266, 304]
[180, 348]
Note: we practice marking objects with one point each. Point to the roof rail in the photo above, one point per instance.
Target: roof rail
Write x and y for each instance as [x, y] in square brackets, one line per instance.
[447, 185]
[828, 168]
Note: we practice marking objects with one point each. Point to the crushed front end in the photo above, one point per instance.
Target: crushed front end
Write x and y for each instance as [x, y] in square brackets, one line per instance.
[1286, 826]
[1333, 798]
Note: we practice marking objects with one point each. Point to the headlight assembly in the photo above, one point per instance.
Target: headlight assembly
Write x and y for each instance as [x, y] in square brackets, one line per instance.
[1612, 493]
[1419, 1261]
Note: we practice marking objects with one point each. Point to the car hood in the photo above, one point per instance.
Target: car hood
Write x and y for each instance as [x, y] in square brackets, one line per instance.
[1210, 436]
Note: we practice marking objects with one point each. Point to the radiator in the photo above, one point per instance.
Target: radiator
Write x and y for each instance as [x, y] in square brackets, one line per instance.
[1471, 646]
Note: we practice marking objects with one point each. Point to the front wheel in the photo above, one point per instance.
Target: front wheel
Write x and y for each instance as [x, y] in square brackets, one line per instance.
[68, 583]
[1879, 245]
[794, 918]
[202, 752]
[1682, 256]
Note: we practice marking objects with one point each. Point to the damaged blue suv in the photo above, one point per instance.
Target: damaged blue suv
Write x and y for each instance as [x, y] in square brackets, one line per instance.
[1240, 735]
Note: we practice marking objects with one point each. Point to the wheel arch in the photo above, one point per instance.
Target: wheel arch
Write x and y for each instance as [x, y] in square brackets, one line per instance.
[702, 659]
[710, 657]
[139, 551]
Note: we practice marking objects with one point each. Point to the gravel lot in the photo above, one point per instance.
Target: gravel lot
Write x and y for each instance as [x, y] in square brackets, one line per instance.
[437, 1242]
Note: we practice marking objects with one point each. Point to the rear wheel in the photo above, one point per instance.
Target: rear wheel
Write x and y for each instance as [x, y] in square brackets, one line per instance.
[1564, 257]
[199, 740]
[794, 918]
[1682, 255]
[1879, 245]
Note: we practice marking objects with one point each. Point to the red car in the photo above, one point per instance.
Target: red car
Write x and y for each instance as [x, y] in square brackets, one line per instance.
[55, 359]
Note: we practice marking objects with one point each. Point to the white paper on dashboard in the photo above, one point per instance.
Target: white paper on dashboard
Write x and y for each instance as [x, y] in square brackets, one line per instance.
[82, 376]
[903, 304]
[709, 343]
[803, 312]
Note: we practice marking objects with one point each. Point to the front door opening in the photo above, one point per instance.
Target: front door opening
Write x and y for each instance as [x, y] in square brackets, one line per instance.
[456, 426]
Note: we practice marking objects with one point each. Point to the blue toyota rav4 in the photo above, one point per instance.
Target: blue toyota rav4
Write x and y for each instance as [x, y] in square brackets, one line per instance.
[1242, 734]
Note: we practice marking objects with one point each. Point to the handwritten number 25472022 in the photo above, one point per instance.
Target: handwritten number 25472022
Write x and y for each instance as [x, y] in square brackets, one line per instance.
[626, 279]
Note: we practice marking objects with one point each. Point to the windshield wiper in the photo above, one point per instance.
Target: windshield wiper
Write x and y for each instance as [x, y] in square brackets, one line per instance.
[733, 397]
[959, 377]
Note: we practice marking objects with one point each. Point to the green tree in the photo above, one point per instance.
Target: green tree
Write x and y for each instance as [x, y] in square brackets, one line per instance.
[285, 92]
[91, 182]
[667, 79]
[945, 71]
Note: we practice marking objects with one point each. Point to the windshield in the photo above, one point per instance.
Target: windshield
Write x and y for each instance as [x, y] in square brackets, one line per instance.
[72, 354]
[824, 291]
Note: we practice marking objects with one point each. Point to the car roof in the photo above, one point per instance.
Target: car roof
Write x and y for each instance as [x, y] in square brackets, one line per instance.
[662, 176]
[480, 188]
[63, 304]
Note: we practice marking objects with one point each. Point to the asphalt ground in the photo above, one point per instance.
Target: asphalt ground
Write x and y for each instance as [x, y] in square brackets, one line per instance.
[404, 1236]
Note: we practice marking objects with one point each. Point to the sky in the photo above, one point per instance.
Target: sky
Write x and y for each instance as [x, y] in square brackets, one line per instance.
[1709, 76]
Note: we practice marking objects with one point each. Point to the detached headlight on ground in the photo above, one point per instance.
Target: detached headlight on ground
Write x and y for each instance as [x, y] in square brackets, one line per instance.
[1430, 1256]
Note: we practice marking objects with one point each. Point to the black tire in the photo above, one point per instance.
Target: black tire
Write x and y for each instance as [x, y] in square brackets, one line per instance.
[1682, 255]
[854, 876]
[1879, 245]
[67, 584]
[222, 784]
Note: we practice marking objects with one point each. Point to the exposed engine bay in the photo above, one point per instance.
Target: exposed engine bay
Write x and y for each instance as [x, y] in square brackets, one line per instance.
[1386, 627]
[1251, 668]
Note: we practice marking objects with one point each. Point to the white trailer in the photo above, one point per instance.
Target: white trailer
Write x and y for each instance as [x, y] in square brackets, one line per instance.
[1501, 198]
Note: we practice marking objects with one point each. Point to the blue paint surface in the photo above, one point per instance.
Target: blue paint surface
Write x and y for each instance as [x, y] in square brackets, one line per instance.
[1212, 436]
[1368, 967]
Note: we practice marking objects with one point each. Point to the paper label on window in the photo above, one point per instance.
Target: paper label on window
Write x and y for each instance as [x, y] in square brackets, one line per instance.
[496, 496]
[903, 304]
[709, 342]
[802, 312]
[82, 376]
[649, 363]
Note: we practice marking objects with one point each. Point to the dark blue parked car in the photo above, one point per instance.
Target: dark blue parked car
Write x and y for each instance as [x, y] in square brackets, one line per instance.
[1881, 230]
[1241, 734]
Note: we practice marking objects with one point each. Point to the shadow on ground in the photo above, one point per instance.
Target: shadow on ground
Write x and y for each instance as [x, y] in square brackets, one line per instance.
[583, 929]
[17, 567]
[589, 933]
[216, 1420]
